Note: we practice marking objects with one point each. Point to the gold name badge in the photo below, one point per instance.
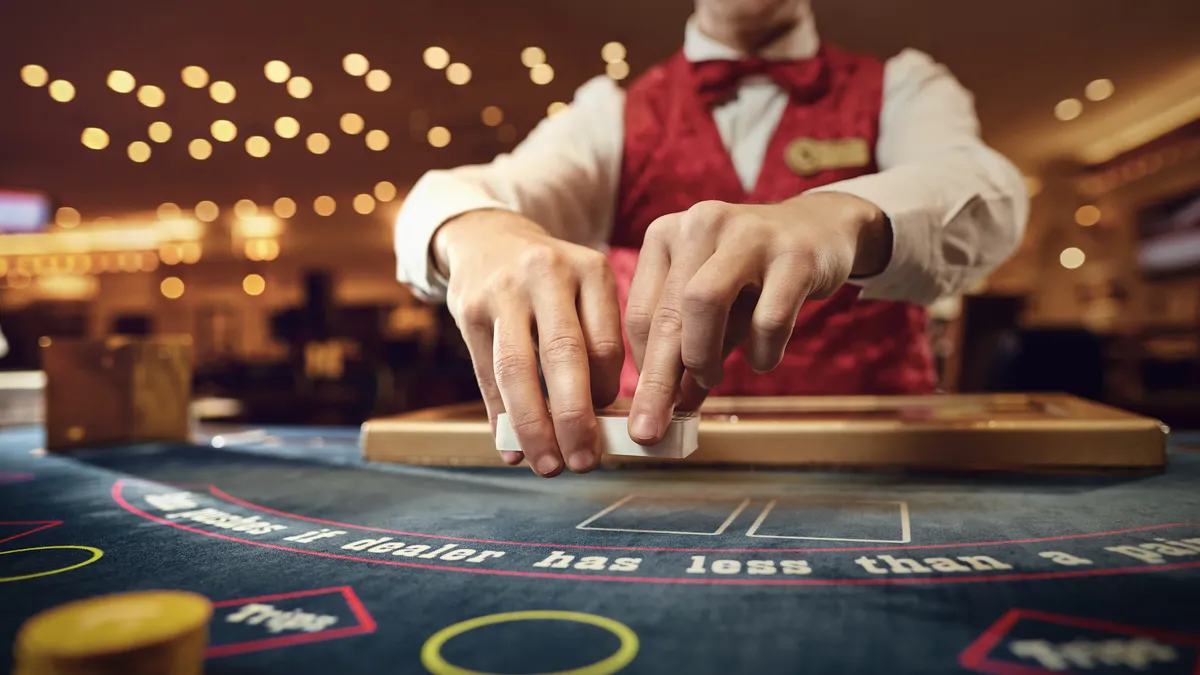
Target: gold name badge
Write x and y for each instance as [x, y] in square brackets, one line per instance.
[808, 156]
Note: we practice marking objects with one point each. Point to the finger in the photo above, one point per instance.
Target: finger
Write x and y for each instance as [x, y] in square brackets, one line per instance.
[476, 325]
[708, 299]
[654, 263]
[785, 287]
[516, 372]
[662, 366]
[600, 317]
[692, 394]
[564, 358]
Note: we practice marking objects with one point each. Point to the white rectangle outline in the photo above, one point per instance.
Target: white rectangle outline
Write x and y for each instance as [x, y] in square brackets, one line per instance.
[905, 527]
[616, 505]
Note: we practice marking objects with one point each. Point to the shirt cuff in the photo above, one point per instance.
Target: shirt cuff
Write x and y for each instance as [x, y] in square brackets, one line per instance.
[435, 199]
[914, 251]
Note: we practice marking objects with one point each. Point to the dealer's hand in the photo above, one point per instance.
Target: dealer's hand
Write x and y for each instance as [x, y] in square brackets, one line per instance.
[519, 296]
[719, 275]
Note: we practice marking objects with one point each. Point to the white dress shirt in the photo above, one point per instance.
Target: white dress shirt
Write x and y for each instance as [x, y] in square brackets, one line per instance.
[957, 208]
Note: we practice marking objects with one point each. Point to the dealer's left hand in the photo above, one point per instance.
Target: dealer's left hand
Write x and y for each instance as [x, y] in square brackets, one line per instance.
[719, 275]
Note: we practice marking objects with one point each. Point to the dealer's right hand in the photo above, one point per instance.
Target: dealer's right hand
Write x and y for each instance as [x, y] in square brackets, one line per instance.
[520, 297]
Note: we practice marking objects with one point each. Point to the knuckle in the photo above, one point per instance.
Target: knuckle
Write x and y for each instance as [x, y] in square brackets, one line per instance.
[511, 364]
[540, 260]
[503, 282]
[606, 351]
[661, 228]
[594, 263]
[637, 321]
[703, 301]
[531, 428]
[562, 349]
[667, 319]
[475, 311]
[774, 320]
[704, 217]
[656, 385]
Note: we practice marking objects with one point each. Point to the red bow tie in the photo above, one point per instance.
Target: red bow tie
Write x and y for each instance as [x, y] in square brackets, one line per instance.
[716, 81]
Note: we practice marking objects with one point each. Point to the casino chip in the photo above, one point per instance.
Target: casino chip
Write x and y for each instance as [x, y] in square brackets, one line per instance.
[142, 633]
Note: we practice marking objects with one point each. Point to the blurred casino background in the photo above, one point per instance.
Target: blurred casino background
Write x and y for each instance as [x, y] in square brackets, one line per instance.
[230, 170]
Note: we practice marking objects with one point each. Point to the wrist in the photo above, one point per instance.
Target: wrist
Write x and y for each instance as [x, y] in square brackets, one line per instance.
[871, 231]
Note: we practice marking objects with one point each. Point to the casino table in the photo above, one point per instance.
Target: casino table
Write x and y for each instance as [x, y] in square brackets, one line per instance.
[317, 561]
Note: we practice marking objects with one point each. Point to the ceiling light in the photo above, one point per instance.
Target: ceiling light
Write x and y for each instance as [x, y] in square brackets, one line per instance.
[438, 137]
[258, 146]
[555, 108]
[1087, 215]
[285, 207]
[492, 116]
[541, 74]
[207, 211]
[317, 143]
[200, 149]
[324, 205]
[377, 140]
[62, 91]
[385, 191]
[378, 80]
[364, 204]
[458, 73]
[151, 96]
[139, 151]
[287, 127]
[1072, 258]
[223, 130]
[617, 70]
[351, 123]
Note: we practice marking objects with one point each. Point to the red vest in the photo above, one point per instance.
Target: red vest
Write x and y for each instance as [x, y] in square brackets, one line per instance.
[674, 157]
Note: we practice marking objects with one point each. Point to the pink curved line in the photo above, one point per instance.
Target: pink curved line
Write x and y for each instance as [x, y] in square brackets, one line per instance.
[120, 500]
[221, 494]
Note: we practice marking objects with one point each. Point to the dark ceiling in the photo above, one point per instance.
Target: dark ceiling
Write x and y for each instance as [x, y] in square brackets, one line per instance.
[1019, 57]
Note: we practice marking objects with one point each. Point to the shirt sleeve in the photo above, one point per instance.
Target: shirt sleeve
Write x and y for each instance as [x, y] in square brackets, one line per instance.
[958, 208]
[563, 176]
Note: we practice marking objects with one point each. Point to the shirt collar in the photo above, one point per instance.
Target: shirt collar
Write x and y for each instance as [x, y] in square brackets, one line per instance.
[801, 43]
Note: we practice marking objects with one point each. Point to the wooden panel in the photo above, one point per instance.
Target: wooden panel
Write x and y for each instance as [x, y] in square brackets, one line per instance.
[974, 432]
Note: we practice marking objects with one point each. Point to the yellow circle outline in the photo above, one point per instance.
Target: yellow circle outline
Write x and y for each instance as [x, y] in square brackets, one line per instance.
[96, 555]
[431, 652]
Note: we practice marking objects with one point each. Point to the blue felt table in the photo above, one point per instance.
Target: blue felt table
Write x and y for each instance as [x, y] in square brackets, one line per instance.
[319, 563]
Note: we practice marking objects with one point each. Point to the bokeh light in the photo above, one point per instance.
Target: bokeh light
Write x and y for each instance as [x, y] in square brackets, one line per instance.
[223, 130]
[324, 205]
[299, 87]
[458, 73]
[168, 211]
[317, 144]
[613, 52]
[170, 254]
[377, 140]
[207, 211]
[189, 252]
[34, 75]
[378, 80]
[438, 137]
[62, 91]
[351, 123]
[1087, 215]
[94, 138]
[355, 64]
[222, 92]
[172, 288]
[287, 127]
[151, 96]
[194, 77]
[532, 56]
[139, 151]
[1072, 258]
[258, 146]
[277, 71]
[385, 191]
[245, 208]
[1068, 109]
[1098, 90]
[492, 116]
[364, 204]
[436, 58]
[199, 149]
[555, 108]
[617, 70]
[160, 132]
[541, 74]
[507, 133]
[67, 217]
[254, 284]
[284, 207]
[121, 81]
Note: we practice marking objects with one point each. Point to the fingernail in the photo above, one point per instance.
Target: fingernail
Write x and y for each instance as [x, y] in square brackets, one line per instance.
[547, 465]
[580, 462]
[644, 428]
